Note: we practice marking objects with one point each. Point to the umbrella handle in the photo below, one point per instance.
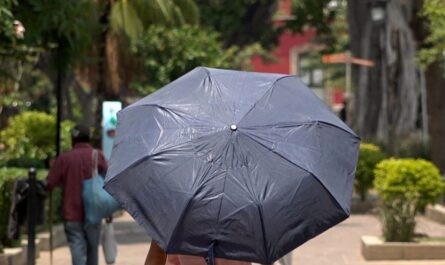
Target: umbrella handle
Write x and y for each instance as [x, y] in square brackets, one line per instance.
[211, 254]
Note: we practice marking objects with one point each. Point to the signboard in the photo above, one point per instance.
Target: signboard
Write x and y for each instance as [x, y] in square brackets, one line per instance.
[345, 58]
[109, 122]
[334, 58]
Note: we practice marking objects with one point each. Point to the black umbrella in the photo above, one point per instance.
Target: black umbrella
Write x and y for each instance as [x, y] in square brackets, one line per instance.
[247, 166]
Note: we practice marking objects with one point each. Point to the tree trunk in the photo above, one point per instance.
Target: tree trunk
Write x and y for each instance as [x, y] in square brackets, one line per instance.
[102, 90]
[435, 82]
[85, 100]
[387, 95]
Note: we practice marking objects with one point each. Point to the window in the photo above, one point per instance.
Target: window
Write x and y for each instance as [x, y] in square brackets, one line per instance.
[310, 71]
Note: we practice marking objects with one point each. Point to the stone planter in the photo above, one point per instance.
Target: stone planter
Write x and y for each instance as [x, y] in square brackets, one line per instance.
[38, 247]
[13, 256]
[18, 256]
[436, 213]
[59, 238]
[373, 248]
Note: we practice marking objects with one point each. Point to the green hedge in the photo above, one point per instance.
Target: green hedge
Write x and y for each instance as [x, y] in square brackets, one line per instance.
[370, 155]
[7, 179]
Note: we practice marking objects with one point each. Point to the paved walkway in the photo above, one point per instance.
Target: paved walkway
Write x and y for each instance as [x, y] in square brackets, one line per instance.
[337, 246]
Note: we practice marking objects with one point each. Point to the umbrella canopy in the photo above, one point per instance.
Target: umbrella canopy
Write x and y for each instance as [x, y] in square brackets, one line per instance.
[252, 164]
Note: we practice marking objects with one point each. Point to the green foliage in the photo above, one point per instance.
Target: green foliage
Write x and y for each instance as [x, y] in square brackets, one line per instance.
[34, 92]
[405, 186]
[316, 14]
[241, 22]
[13, 52]
[6, 187]
[68, 32]
[31, 135]
[370, 155]
[163, 60]
[6, 20]
[335, 40]
[409, 179]
[434, 11]
[132, 16]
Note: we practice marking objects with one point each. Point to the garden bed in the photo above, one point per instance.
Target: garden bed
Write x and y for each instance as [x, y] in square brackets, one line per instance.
[374, 248]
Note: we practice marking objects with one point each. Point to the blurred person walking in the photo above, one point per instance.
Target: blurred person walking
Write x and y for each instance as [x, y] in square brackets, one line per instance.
[69, 171]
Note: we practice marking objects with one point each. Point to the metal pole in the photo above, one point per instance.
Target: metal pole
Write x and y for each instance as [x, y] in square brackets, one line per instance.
[348, 75]
[31, 217]
[58, 149]
[59, 109]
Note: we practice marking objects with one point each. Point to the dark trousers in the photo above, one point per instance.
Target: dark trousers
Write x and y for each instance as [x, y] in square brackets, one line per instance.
[83, 242]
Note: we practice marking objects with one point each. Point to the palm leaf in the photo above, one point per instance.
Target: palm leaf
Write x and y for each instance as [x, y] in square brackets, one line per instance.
[153, 11]
[189, 11]
[124, 18]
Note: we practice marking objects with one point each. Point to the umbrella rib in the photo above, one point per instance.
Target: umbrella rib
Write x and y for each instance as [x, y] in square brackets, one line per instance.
[290, 161]
[263, 230]
[167, 149]
[169, 108]
[265, 94]
[294, 124]
[181, 216]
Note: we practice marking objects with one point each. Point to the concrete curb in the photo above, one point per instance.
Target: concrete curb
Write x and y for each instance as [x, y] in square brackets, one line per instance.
[17, 256]
[373, 248]
[13, 256]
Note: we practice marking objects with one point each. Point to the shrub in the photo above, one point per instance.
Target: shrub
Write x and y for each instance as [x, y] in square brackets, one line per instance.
[405, 187]
[31, 134]
[369, 156]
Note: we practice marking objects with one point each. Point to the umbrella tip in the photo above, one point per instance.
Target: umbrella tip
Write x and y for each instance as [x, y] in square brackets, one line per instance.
[233, 127]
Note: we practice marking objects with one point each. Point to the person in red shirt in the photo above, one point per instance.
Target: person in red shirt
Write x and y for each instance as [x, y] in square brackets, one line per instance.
[68, 172]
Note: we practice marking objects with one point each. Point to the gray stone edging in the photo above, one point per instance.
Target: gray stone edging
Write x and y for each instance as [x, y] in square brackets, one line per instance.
[59, 238]
[38, 247]
[373, 248]
[436, 213]
[17, 256]
[13, 256]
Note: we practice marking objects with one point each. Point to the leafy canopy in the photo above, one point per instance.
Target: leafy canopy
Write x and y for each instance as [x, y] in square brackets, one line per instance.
[434, 11]
[67, 28]
[241, 22]
[167, 53]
